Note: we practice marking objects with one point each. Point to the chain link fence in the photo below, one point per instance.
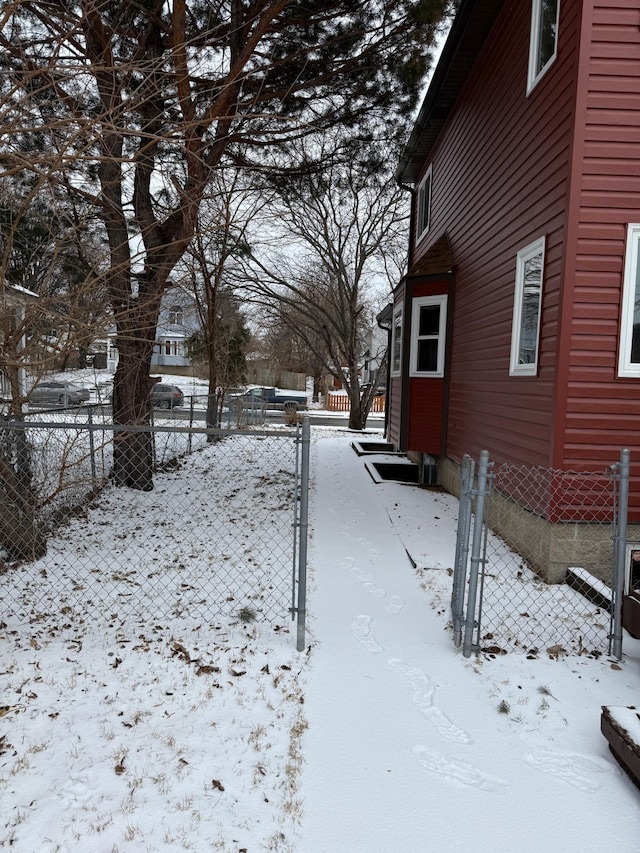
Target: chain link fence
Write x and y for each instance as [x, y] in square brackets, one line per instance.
[536, 561]
[220, 536]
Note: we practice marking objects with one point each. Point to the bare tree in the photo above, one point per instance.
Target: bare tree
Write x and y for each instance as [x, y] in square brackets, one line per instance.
[346, 228]
[278, 343]
[50, 254]
[135, 105]
[220, 240]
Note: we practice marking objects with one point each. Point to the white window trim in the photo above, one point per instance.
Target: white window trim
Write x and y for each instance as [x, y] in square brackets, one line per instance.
[632, 258]
[524, 255]
[533, 75]
[418, 302]
[397, 316]
[428, 176]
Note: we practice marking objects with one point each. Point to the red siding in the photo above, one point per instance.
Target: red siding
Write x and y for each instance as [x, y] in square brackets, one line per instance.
[500, 180]
[394, 403]
[393, 407]
[563, 162]
[426, 396]
[425, 421]
[602, 412]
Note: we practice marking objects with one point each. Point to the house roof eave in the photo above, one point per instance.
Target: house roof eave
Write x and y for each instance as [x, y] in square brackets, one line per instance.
[467, 35]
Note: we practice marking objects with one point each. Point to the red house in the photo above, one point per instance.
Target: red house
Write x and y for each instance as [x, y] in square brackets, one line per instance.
[517, 327]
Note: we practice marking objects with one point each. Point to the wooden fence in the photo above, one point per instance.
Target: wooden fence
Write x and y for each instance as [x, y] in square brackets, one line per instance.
[340, 403]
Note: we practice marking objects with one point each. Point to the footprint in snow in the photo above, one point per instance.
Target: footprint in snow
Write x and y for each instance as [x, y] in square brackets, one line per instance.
[75, 791]
[375, 590]
[365, 579]
[458, 771]
[422, 698]
[576, 769]
[361, 628]
[395, 604]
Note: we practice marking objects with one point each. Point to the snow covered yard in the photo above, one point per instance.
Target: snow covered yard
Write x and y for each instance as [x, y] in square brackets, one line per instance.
[187, 742]
[216, 734]
[181, 730]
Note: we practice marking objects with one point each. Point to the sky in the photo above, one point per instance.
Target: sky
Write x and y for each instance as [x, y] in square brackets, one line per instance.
[379, 737]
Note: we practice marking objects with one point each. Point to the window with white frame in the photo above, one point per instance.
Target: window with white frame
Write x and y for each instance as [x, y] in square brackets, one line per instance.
[396, 342]
[527, 303]
[543, 45]
[175, 315]
[629, 358]
[423, 204]
[428, 330]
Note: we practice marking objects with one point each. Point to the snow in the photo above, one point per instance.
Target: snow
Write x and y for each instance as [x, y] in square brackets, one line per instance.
[590, 581]
[627, 719]
[378, 738]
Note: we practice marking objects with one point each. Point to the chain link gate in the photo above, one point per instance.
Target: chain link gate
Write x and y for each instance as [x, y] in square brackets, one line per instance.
[222, 535]
[540, 559]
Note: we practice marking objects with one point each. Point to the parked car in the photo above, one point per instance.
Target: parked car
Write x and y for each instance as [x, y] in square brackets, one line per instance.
[166, 396]
[52, 393]
[274, 398]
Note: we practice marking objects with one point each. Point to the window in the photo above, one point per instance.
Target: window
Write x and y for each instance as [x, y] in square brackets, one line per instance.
[175, 315]
[527, 301]
[629, 361]
[169, 347]
[428, 328]
[423, 210]
[396, 342]
[544, 38]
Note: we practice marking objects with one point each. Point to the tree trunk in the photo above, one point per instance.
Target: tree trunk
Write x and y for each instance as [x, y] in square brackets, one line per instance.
[355, 413]
[133, 448]
[357, 416]
[20, 533]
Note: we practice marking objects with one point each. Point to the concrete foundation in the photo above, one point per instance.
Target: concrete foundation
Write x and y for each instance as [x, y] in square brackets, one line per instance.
[549, 549]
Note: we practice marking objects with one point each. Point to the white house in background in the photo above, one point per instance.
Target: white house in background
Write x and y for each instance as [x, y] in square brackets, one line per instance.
[13, 300]
[178, 321]
[375, 349]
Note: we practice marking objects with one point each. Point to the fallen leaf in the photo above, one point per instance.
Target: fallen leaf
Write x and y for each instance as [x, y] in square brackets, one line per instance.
[556, 651]
[207, 670]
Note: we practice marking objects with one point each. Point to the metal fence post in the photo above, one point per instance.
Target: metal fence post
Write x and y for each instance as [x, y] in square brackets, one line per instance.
[621, 552]
[462, 548]
[191, 419]
[476, 551]
[92, 444]
[296, 506]
[304, 526]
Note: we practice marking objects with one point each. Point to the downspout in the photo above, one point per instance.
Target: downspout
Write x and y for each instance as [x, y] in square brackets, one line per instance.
[410, 188]
[387, 381]
[404, 385]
